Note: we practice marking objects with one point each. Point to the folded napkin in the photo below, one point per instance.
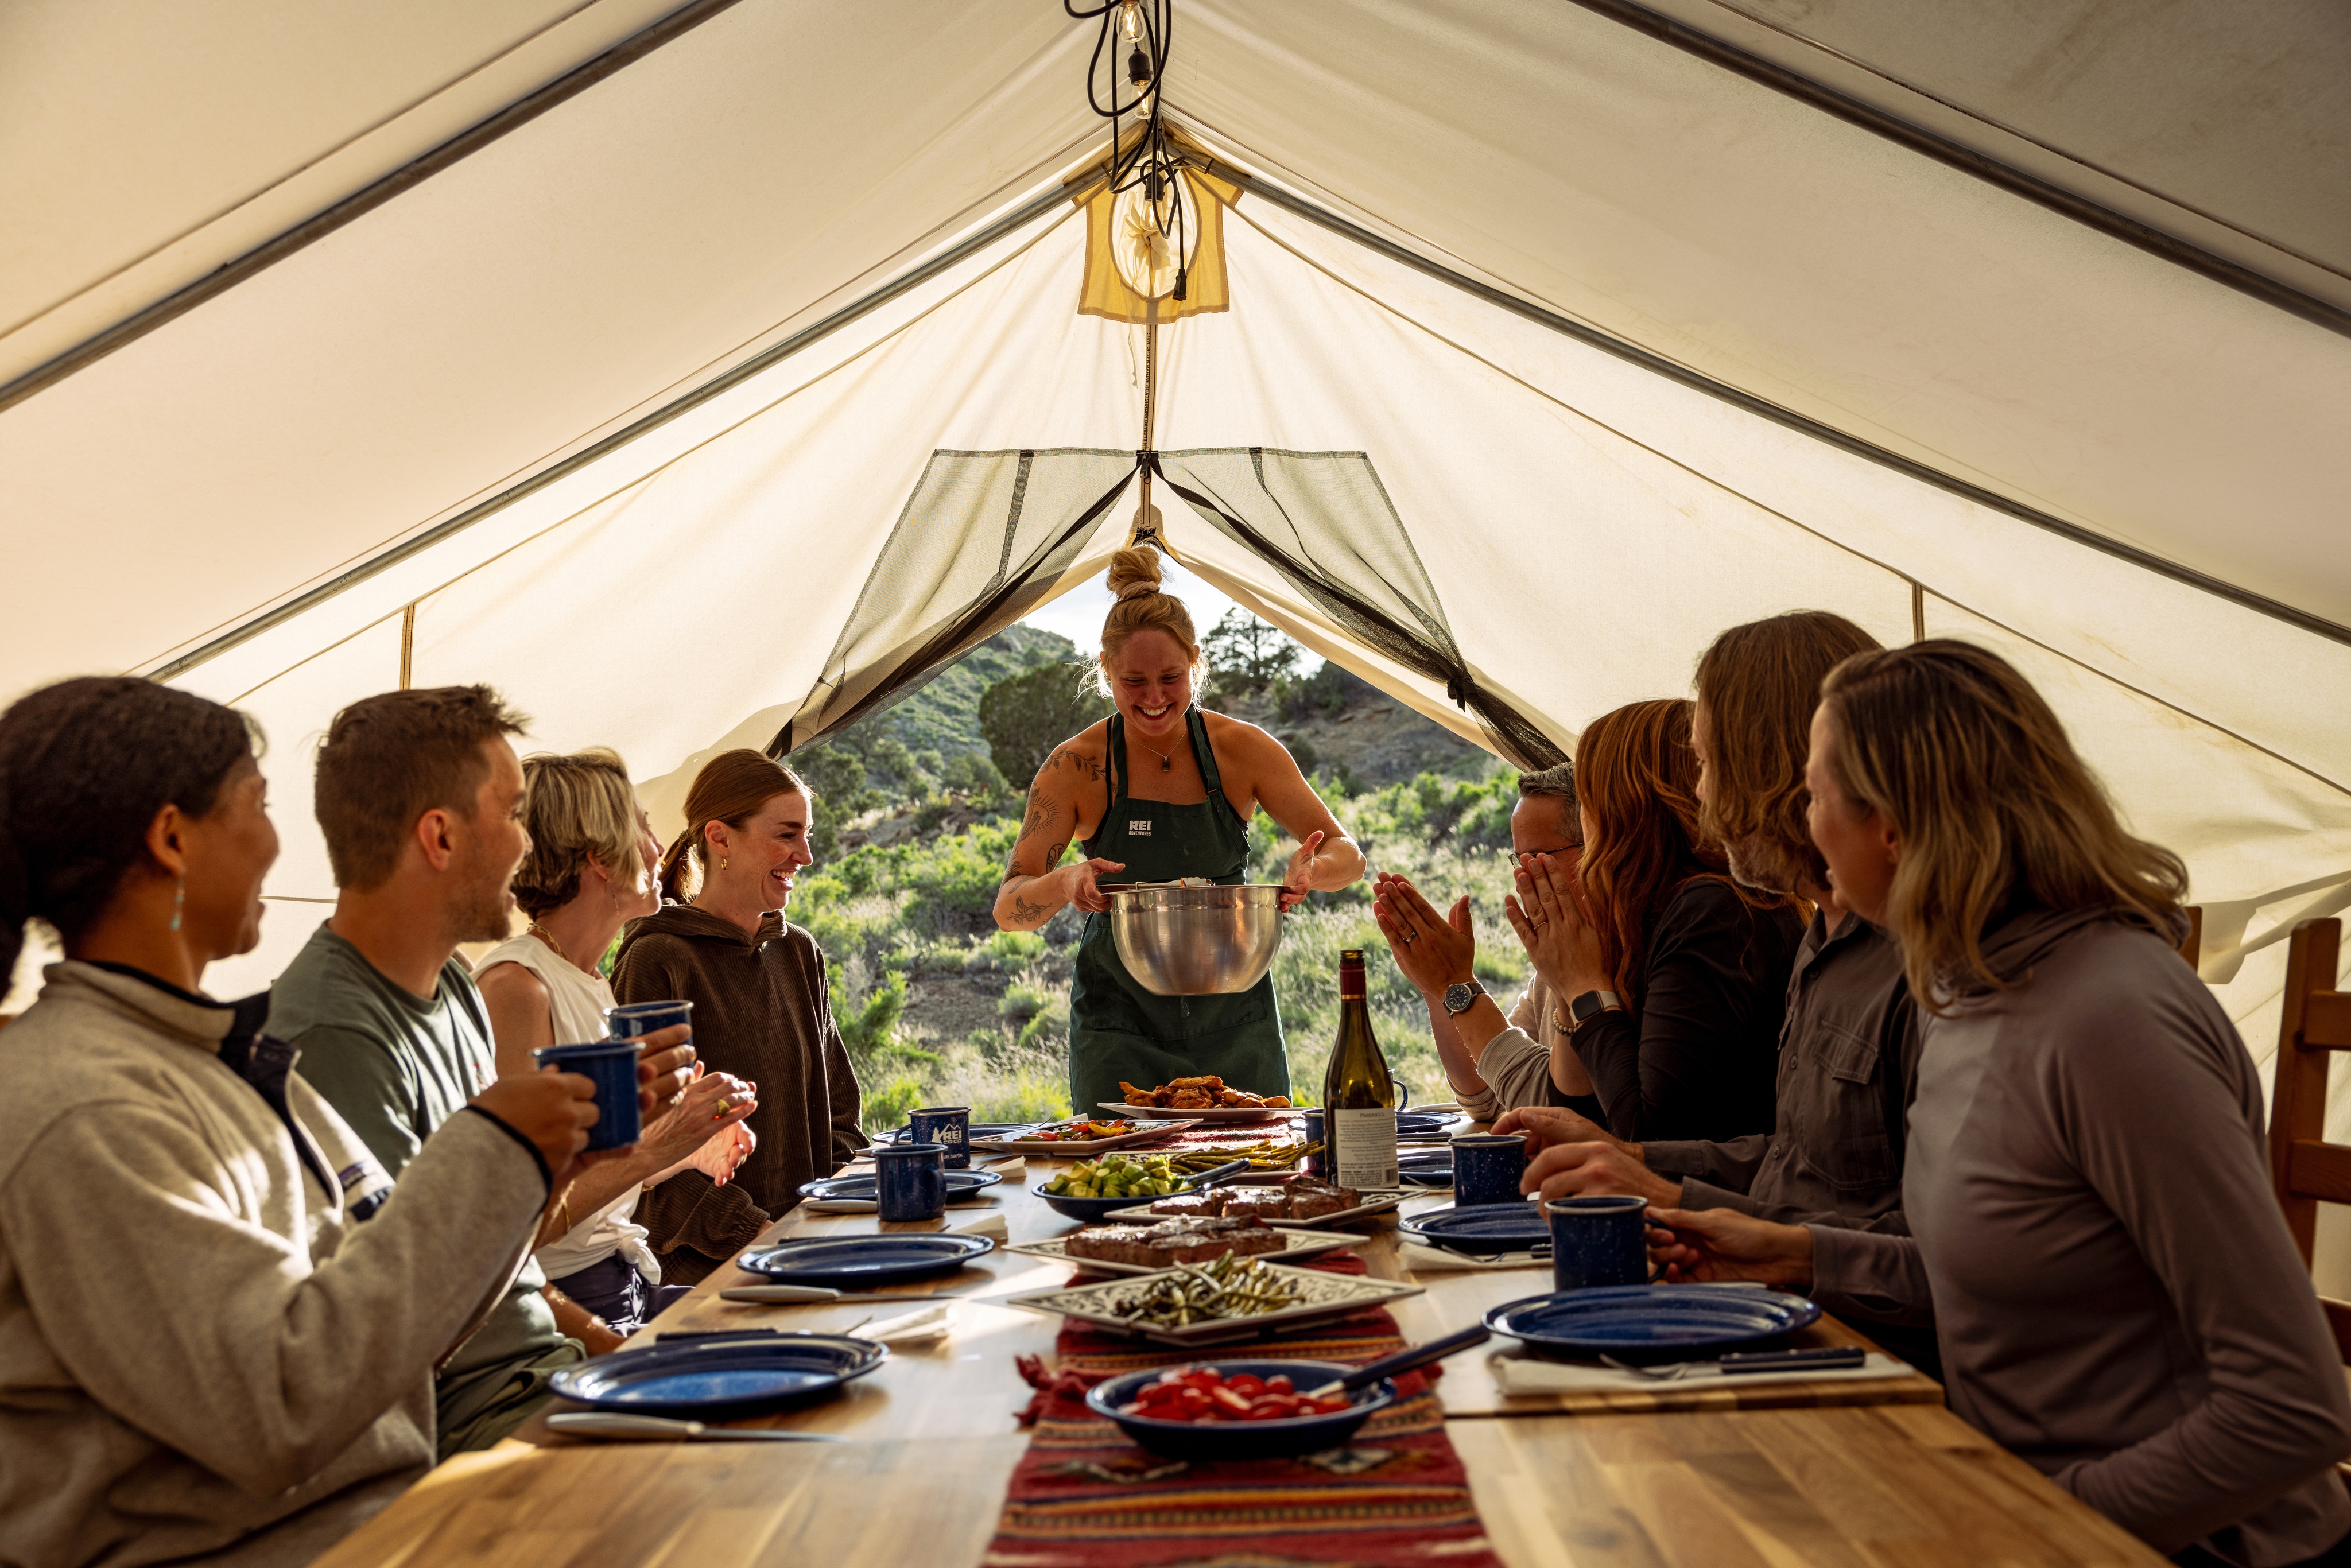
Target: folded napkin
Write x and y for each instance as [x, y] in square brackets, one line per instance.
[840, 1205]
[1517, 1374]
[930, 1324]
[1423, 1260]
[989, 1225]
[1012, 1170]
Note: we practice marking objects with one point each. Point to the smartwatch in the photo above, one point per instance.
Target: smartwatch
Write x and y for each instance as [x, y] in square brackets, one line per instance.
[1461, 996]
[1591, 1004]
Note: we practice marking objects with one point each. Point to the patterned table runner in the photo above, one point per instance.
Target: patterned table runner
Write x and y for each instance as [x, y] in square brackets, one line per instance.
[1083, 1495]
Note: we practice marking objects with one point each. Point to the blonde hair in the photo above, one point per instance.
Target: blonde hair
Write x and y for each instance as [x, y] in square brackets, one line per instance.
[1142, 607]
[731, 788]
[1994, 810]
[576, 809]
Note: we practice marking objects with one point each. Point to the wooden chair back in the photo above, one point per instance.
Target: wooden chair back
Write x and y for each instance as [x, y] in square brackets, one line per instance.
[2304, 1167]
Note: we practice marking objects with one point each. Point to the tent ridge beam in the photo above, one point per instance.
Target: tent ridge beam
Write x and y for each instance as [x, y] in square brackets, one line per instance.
[2082, 209]
[1674, 371]
[862, 306]
[364, 200]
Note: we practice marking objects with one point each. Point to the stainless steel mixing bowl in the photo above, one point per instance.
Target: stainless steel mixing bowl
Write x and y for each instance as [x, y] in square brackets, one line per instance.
[1196, 941]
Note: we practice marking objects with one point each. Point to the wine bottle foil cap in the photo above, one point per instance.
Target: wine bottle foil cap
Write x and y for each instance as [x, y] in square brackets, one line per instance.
[1350, 974]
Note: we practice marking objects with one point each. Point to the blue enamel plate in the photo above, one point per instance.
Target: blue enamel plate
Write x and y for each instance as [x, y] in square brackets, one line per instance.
[1420, 1124]
[864, 1259]
[1483, 1228]
[961, 1184]
[719, 1374]
[1425, 1167]
[1631, 1321]
[979, 1130]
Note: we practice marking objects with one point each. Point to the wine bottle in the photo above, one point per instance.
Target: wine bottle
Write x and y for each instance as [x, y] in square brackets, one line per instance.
[1359, 1125]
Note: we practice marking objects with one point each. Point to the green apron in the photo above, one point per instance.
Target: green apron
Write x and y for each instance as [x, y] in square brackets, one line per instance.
[1118, 1029]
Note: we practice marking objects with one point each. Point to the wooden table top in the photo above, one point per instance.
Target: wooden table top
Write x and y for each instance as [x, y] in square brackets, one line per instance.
[1696, 1475]
[1843, 1488]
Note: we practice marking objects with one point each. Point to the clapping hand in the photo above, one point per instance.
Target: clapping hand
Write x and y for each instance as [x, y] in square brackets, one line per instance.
[1300, 880]
[723, 1155]
[1433, 950]
[1554, 926]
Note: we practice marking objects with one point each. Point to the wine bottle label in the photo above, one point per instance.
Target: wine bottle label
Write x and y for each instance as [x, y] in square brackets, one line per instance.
[1362, 1147]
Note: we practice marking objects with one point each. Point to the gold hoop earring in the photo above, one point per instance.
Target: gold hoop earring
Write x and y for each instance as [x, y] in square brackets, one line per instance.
[723, 863]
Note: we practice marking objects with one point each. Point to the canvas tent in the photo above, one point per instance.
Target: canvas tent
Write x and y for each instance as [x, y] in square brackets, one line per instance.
[600, 352]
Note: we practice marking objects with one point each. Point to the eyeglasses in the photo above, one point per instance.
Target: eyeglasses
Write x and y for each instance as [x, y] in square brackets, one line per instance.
[1574, 849]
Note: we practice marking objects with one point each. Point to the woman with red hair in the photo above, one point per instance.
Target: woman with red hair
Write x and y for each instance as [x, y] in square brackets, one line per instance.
[1676, 976]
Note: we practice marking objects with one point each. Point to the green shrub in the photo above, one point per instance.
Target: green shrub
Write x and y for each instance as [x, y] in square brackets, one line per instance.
[1027, 715]
[886, 1104]
[1021, 1003]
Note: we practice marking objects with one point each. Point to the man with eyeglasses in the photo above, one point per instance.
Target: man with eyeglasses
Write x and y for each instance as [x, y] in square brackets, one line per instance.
[1533, 1061]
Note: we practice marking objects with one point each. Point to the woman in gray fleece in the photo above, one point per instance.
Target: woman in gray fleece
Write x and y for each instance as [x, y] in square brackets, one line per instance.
[217, 1320]
[2112, 1286]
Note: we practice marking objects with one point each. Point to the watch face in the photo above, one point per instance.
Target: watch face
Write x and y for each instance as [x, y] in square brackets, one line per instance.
[1458, 998]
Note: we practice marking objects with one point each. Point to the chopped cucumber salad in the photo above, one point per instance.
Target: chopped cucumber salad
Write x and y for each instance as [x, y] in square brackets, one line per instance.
[1115, 1175]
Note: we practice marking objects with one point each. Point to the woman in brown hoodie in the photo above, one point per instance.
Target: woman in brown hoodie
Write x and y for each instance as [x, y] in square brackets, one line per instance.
[757, 987]
[2116, 1293]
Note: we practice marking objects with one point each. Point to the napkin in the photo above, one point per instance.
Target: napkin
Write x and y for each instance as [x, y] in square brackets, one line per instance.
[1012, 1170]
[989, 1225]
[1519, 1375]
[932, 1323]
[840, 1205]
[1423, 1260]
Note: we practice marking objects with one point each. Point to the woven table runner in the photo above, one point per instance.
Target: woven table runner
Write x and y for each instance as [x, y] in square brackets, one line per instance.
[1083, 1494]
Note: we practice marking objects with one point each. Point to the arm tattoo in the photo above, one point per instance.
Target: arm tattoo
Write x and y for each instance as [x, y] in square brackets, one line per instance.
[1090, 767]
[1026, 911]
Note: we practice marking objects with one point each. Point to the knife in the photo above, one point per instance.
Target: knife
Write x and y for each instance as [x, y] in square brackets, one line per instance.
[1815, 1358]
[604, 1423]
[793, 1295]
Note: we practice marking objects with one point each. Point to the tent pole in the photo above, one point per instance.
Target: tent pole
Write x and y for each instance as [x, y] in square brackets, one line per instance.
[407, 642]
[1150, 398]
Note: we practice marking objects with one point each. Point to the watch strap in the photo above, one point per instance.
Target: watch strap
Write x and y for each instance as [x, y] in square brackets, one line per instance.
[1591, 1004]
[1467, 991]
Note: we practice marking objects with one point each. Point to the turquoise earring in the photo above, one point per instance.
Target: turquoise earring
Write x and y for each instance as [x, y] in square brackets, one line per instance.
[179, 901]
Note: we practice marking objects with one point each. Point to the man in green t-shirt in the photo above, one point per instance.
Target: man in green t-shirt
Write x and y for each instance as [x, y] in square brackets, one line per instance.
[421, 795]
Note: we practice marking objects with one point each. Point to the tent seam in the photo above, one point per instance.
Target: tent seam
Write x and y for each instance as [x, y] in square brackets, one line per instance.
[654, 472]
[1792, 522]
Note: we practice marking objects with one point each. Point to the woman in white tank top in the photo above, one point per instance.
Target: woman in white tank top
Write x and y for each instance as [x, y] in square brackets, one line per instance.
[590, 871]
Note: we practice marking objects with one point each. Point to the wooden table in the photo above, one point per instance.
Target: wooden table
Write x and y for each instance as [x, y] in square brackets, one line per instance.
[1562, 1479]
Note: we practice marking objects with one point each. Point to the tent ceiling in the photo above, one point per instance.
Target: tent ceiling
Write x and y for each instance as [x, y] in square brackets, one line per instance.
[213, 129]
[763, 166]
[2225, 124]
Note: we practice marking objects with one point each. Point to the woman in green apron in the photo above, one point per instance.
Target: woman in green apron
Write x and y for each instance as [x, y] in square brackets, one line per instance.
[1159, 790]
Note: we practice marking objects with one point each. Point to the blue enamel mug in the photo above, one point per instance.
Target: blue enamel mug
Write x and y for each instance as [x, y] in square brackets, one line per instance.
[633, 1019]
[1487, 1168]
[611, 1064]
[949, 1126]
[1598, 1242]
[910, 1181]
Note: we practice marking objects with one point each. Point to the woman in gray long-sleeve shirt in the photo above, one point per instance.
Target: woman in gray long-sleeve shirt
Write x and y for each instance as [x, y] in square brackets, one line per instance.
[2115, 1291]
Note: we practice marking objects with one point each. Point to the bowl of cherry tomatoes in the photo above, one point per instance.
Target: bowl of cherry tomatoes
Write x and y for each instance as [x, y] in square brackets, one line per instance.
[1238, 1410]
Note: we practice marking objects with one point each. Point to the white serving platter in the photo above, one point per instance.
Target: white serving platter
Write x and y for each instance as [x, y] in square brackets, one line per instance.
[1378, 1203]
[1080, 1149]
[1324, 1296]
[1296, 1244]
[1198, 1113]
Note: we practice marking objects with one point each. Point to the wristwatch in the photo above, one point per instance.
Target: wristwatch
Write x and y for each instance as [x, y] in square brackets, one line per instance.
[1461, 996]
[1591, 1004]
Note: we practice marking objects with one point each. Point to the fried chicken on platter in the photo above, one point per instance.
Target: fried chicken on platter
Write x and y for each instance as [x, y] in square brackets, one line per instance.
[1203, 1093]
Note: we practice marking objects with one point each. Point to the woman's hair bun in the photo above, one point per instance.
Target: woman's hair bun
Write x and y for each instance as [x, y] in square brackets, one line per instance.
[1134, 572]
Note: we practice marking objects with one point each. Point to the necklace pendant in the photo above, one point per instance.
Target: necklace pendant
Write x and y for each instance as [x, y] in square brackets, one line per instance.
[1166, 765]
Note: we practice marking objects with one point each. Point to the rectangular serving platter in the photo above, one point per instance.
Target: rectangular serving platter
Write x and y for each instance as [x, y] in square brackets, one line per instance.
[1378, 1203]
[1233, 1113]
[1080, 1149]
[1296, 1244]
[1326, 1296]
